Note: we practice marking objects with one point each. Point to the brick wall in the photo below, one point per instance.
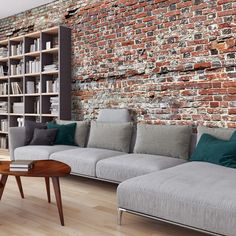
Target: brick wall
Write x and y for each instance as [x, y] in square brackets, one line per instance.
[171, 62]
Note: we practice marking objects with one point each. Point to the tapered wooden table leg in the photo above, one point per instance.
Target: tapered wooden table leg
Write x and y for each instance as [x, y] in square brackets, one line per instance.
[47, 182]
[3, 183]
[18, 180]
[56, 185]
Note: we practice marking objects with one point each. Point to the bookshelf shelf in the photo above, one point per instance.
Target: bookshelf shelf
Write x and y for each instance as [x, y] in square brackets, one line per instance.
[3, 77]
[3, 59]
[32, 74]
[16, 76]
[33, 54]
[51, 51]
[50, 72]
[43, 94]
[16, 57]
[32, 94]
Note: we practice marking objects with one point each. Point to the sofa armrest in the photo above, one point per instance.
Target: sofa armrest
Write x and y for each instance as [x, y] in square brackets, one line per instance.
[16, 139]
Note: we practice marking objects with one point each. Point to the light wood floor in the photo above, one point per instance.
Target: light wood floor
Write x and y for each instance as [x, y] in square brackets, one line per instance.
[89, 210]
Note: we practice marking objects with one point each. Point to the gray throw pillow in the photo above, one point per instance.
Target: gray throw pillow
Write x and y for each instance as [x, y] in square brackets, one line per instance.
[81, 131]
[43, 137]
[220, 133]
[29, 129]
[166, 140]
[113, 136]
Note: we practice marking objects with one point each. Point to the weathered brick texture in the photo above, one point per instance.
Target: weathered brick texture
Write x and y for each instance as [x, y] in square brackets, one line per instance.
[171, 62]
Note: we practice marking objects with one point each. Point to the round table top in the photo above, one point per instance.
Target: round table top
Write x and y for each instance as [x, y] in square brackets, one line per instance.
[41, 168]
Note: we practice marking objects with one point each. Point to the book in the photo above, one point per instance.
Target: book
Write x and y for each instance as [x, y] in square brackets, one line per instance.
[27, 164]
[19, 169]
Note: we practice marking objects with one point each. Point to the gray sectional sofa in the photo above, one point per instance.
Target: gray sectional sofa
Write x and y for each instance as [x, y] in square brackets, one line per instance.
[151, 164]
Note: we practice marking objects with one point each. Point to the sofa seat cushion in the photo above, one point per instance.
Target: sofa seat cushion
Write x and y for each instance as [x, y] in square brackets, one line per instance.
[127, 166]
[83, 160]
[38, 152]
[196, 194]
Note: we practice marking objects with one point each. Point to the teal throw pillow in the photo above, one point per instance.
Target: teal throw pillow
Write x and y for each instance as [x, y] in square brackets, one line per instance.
[65, 133]
[217, 151]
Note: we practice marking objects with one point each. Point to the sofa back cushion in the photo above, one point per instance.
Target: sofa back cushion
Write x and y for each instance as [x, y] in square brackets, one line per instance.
[113, 136]
[165, 140]
[220, 133]
[114, 115]
[81, 131]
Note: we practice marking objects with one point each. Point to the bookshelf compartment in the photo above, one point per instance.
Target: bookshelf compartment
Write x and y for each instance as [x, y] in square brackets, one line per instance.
[16, 67]
[32, 85]
[50, 105]
[16, 86]
[50, 39]
[32, 64]
[3, 68]
[14, 120]
[32, 43]
[3, 141]
[50, 84]
[49, 62]
[16, 105]
[32, 105]
[16, 46]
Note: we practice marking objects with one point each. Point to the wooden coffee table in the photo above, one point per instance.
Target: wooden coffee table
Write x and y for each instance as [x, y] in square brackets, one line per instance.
[43, 168]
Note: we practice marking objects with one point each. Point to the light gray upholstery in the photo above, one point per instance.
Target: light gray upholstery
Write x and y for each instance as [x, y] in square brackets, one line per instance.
[166, 140]
[197, 194]
[16, 139]
[38, 152]
[127, 166]
[112, 136]
[114, 115]
[81, 132]
[220, 133]
[83, 160]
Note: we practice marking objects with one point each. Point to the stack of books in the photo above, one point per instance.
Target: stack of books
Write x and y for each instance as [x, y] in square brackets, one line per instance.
[3, 52]
[52, 67]
[3, 107]
[21, 165]
[54, 108]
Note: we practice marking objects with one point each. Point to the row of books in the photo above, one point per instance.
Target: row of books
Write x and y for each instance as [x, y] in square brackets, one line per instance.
[33, 66]
[21, 165]
[16, 88]
[52, 86]
[17, 49]
[17, 69]
[4, 125]
[3, 107]
[3, 70]
[54, 105]
[3, 142]
[3, 52]
[35, 46]
[3, 88]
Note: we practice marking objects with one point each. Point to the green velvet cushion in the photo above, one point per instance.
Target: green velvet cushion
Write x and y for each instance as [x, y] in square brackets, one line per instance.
[65, 133]
[217, 151]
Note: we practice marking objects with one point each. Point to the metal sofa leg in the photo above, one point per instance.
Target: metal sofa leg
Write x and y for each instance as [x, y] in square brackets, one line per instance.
[119, 217]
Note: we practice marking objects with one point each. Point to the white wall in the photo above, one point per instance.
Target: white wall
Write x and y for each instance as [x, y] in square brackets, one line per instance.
[11, 7]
